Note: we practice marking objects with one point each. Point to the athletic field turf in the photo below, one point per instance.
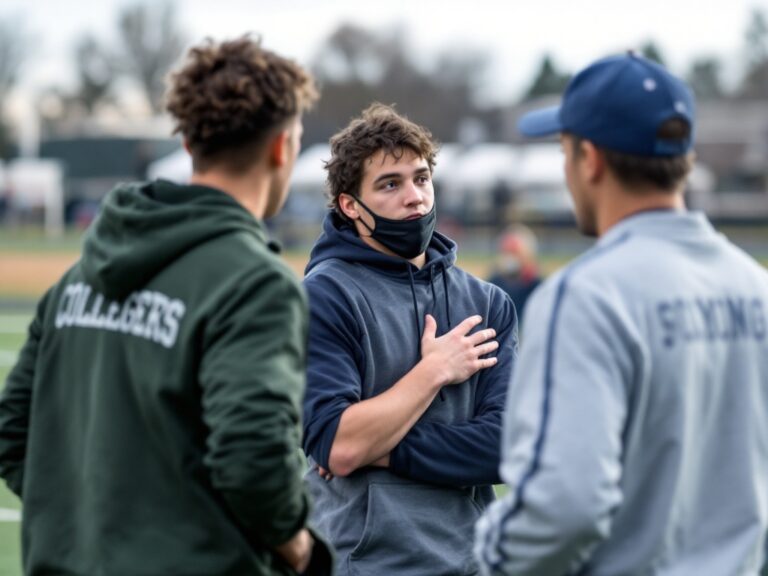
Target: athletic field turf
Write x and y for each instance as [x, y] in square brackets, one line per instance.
[12, 331]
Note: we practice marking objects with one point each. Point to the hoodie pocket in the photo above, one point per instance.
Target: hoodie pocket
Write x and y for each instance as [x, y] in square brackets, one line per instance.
[416, 530]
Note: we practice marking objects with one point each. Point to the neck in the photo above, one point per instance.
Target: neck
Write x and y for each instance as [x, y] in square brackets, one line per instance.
[249, 189]
[619, 204]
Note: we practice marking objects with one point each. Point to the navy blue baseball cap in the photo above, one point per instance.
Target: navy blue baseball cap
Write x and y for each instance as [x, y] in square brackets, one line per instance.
[619, 103]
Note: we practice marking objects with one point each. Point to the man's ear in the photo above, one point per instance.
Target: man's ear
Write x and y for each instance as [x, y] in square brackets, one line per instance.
[278, 148]
[592, 161]
[186, 146]
[348, 206]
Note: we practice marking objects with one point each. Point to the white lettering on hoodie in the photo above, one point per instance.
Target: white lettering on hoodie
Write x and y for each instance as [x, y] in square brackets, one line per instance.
[147, 314]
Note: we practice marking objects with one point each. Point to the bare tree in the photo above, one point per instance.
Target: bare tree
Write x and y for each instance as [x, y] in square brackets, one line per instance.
[756, 37]
[652, 51]
[356, 66]
[755, 83]
[704, 78]
[548, 80]
[13, 48]
[152, 42]
[96, 72]
[350, 54]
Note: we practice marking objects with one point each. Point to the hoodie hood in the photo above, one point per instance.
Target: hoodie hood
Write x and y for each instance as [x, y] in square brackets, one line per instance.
[143, 227]
[340, 240]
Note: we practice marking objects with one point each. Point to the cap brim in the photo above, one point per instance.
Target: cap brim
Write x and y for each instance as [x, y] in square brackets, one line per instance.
[544, 122]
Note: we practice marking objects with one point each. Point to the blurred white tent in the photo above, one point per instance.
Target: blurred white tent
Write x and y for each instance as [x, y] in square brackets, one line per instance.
[541, 187]
[700, 193]
[473, 176]
[306, 203]
[470, 181]
[485, 165]
[448, 195]
[176, 167]
[309, 171]
[33, 183]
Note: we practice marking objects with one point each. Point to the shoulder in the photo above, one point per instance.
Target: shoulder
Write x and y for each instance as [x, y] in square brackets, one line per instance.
[591, 276]
[242, 263]
[342, 280]
[327, 270]
[618, 264]
[495, 299]
[739, 257]
[468, 281]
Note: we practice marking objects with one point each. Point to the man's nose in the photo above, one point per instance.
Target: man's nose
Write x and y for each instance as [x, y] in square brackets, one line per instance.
[413, 194]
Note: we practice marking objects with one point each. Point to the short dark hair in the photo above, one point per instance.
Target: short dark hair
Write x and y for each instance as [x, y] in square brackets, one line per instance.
[663, 172]
[379, 127]
[229, 96]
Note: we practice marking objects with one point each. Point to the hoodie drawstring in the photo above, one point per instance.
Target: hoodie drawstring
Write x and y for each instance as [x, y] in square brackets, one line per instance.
[415, 303]
[432, 282]
[434, 299]
[445, 293]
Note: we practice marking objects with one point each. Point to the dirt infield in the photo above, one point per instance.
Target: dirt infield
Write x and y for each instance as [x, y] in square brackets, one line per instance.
[29, 275]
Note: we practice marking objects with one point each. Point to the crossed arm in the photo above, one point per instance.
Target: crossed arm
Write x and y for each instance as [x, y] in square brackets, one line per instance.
[385, 430]
[370, 429]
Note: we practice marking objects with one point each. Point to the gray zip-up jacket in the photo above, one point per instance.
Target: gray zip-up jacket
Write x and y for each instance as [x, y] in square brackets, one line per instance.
[636, 430]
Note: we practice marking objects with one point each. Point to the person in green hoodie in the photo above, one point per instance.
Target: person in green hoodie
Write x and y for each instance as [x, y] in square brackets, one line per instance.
[152, 422]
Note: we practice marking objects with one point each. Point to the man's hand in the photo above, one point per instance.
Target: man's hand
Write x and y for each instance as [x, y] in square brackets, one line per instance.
[327, 475]
[456, 354]
[298, 550]
[324, 474]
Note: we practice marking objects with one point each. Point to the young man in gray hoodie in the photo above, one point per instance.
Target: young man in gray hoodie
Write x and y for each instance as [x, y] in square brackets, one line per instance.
[636, 433]
[409, 358]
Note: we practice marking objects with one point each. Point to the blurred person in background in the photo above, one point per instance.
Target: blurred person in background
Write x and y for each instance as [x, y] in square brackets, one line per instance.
[516, 270]
[636, 433]
[409, 358]
[152, 422]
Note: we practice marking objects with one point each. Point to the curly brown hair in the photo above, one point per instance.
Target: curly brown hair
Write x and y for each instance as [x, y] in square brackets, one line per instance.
[229, 97]
[379, 127]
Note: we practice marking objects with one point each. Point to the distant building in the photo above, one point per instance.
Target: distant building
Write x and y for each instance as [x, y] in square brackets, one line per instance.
[730, 180]
[732, 141]
[94, 164]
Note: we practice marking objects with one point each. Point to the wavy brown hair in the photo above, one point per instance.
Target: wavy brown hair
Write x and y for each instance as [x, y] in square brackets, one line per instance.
[228, 97]
[379, 127]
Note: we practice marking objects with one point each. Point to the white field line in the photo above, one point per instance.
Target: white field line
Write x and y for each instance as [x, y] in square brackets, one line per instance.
[10, 515]
[7, 358]
[14, 323]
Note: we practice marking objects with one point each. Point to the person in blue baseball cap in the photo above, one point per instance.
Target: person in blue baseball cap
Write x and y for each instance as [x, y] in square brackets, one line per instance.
[636, 431]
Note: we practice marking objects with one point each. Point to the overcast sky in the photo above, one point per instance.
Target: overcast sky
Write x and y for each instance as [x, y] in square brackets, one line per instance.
[514, 32]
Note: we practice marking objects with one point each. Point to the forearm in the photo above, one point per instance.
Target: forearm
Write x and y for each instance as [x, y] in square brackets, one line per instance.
[370, 429]
[296, 551]
[537, 537]
[265, 491]
[460, 454]
[15, 405]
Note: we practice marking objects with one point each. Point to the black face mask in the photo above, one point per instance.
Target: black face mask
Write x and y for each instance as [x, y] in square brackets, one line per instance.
[406, 238]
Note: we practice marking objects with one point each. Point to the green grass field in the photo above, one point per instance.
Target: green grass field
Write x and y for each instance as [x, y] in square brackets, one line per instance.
[12, 332]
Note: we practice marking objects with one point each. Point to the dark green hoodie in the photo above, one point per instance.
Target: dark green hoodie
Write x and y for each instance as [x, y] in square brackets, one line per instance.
[151, 425]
